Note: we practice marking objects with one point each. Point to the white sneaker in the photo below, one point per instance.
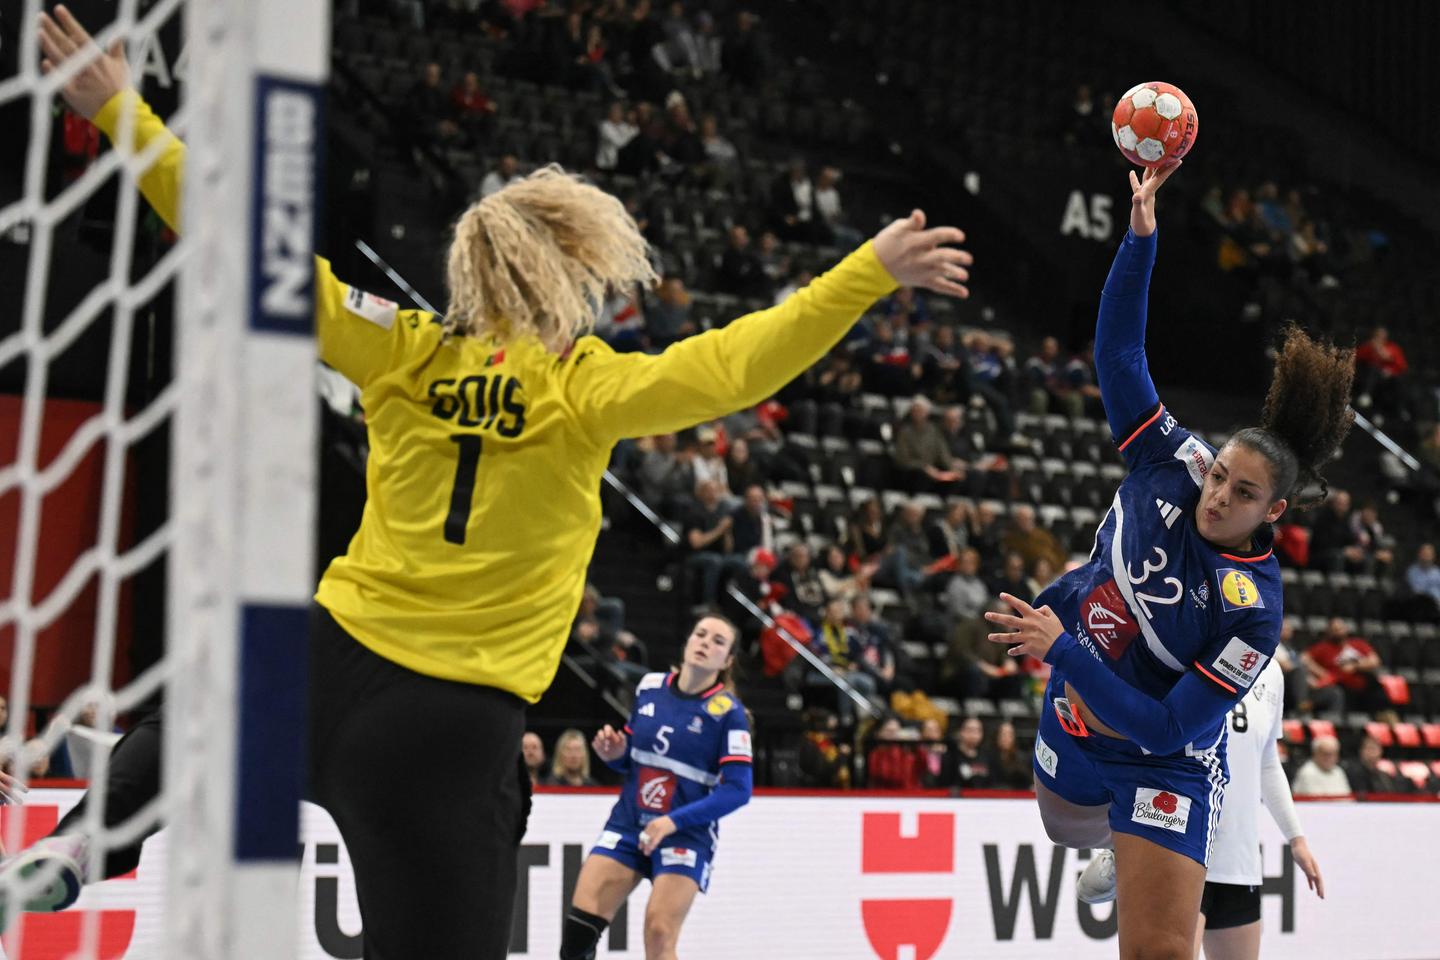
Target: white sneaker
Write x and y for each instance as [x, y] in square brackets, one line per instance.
[1096, 884]
[67, 853]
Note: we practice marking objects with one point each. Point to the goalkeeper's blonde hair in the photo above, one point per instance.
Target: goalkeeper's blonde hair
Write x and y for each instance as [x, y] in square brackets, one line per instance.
[537, 258]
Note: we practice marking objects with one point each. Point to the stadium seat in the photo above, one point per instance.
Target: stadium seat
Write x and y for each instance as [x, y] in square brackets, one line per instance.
[1416, 772]
[1407, 735]
[1397, 688]
[1380, 732]
[1430, 733]
[1294, 731]
[1321, 728]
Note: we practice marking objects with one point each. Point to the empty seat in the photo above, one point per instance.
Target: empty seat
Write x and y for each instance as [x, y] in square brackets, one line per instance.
[1407, 735]
[1380, 732]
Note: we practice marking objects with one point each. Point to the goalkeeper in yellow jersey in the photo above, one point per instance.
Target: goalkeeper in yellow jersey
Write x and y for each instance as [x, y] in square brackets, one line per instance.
[489, 431]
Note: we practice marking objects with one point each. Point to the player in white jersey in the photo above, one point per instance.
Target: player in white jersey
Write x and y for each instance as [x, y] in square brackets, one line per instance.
[1230, 909]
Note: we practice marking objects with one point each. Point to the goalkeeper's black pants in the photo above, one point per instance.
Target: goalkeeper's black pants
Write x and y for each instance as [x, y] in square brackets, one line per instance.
[424, 779]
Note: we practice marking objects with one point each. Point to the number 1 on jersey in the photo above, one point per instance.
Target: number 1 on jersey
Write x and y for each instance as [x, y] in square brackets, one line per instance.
[463, 492]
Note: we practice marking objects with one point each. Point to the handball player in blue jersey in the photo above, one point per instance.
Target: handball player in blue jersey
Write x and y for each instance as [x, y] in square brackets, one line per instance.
[1174, 616]
[687, 762]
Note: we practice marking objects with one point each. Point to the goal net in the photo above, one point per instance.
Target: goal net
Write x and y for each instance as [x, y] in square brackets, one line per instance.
[157, 470]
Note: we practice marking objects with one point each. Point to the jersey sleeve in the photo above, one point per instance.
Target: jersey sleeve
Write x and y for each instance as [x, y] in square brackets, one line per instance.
[1120, 362]
[718, 372]
[360, 335]
[737, 778]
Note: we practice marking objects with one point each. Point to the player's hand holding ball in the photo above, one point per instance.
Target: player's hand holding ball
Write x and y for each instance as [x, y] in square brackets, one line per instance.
[609, 743]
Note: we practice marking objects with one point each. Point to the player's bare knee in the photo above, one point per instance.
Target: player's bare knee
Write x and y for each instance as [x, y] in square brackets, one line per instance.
[661, 935]
[1160, 944]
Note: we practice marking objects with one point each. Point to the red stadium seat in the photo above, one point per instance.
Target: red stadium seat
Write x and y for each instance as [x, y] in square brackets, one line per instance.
[1381, 733]
[1321, 728]
[1386, 765]
[1431, 734]
[1435, 768]
[1416, 772]
[1396, 688]
[1407, 735]
[1294, 731]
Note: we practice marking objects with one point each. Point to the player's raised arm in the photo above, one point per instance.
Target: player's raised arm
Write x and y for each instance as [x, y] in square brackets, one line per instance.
[721, 371]
[1120, 363]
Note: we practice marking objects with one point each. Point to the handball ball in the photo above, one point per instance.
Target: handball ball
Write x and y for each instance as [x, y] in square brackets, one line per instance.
[1154, 124]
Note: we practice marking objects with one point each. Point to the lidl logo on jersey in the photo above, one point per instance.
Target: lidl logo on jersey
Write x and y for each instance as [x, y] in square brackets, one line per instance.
[648, 710]
[1161, 808]
[654, 790]
[719, 705]
[1240, 662]
[1168, 512]
[1237, 590]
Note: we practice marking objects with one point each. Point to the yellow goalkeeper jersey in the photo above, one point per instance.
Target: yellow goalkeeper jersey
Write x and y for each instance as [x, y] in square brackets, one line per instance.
[486, 459]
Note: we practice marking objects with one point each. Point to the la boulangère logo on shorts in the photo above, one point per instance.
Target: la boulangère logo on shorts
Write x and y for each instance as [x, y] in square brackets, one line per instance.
[1161, 808]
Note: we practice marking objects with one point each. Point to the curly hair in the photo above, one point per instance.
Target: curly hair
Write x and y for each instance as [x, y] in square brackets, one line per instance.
[1307, 415]
[538, 257]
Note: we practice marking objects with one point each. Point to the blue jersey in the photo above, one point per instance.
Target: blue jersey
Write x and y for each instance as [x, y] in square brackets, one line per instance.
[1156, 599]
[1165, 631]
[681, 748]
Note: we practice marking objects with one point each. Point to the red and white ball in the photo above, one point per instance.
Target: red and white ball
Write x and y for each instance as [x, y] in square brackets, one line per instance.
[1154, 124]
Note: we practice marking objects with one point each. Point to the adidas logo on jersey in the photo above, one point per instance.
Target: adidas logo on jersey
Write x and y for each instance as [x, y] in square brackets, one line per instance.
[648, 710]
[1168, 512]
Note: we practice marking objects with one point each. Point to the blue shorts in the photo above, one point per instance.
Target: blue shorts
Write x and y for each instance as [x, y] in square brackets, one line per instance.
[1173, 801]
[686, 852]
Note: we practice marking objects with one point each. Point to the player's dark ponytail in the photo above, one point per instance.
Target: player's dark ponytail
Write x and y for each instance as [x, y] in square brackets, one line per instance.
[1307, 415]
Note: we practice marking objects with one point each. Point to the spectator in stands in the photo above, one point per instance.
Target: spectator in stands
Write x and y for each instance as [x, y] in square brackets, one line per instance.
[1380, 381]
[830, 214]
[1030, 541]
[838, 579]
[708, 533]
[836, 645]
[668, 319]
[1429, 450]
[889, 367]
[908, 553]
[507, 172]
[678, 54]
[1334, 544]
[741, 273]
[532, 750]
[1322, 775]
[667, 474]
[755, 585]
[745, 56]
[792, 204]
[804, 593]
[753, 526]
[721, 157]
[799, 281]
[1009, 765]
[614, 132]
[824, 757]
[975, 667]
[1350, 663]
[1370, 533]
[1050, 388]
[991, 378]
[1042, 574]
[709, 46]
[968, 764]
[985, 533]
[934, 749]
[571, 767]
[1423, 576]
[945, 368]
[866, 539]
[874, 653]
[922, 456]
[1366, 776]
[1013, 578]
[681, 139]
[473, 110]
[709, 465]
[644, 154]
[1080, 375]
[950, 533]
[966, 595]
[893, 764]
[1300, 695]
[742, 470]
[427, 109]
